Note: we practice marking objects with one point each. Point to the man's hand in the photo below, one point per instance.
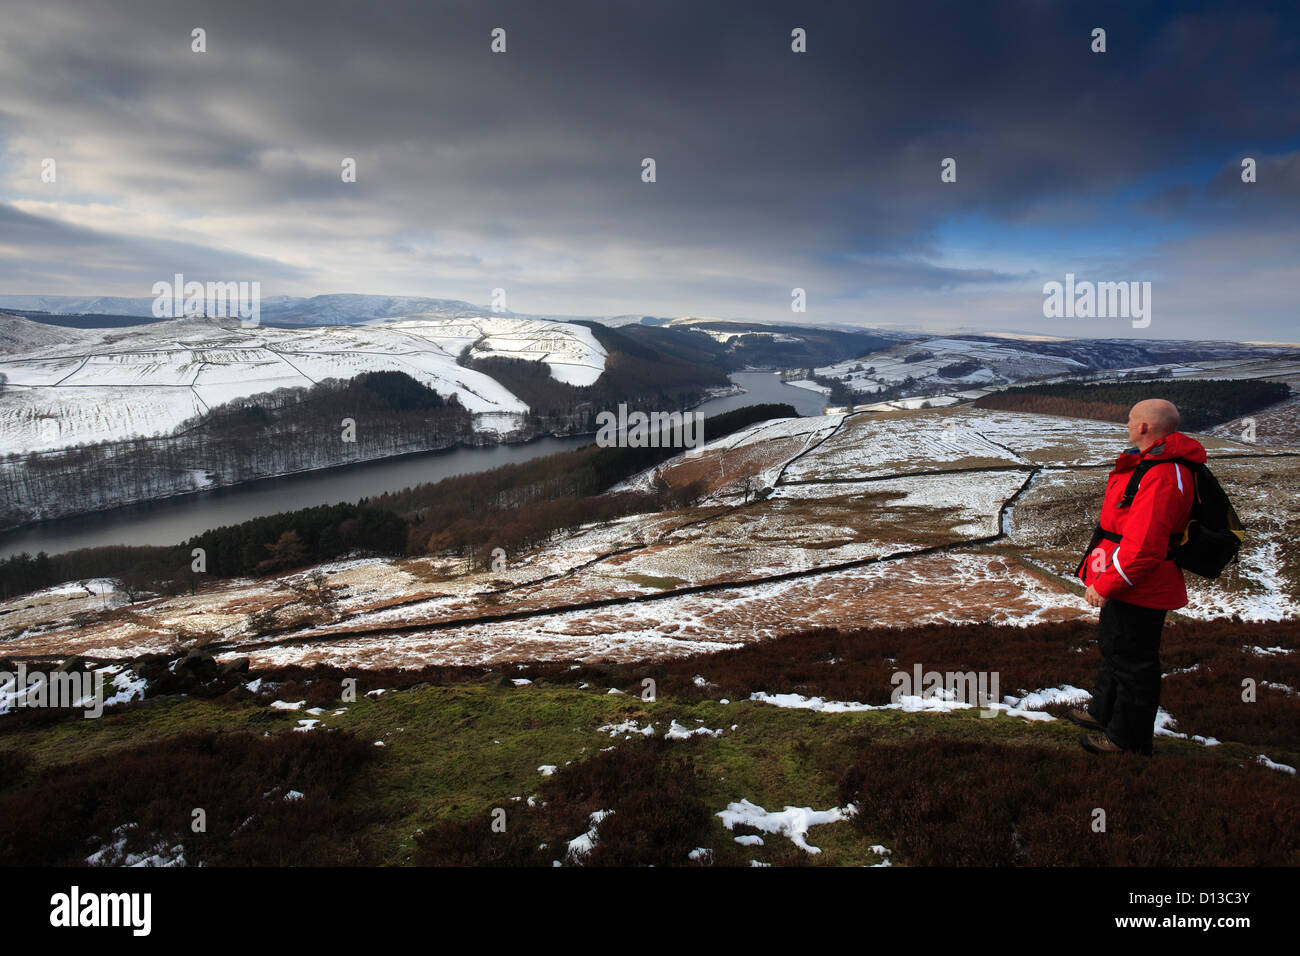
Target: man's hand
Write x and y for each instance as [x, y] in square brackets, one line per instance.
[1093, 598]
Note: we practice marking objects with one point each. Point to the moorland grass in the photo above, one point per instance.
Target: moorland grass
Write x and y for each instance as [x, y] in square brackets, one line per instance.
[459, 746]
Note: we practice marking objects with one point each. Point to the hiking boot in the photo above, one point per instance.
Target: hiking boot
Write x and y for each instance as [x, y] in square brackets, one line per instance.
[1099, 744]
[1083, 719]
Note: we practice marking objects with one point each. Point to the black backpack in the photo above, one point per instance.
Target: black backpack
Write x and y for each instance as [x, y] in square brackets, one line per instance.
[1214, 533]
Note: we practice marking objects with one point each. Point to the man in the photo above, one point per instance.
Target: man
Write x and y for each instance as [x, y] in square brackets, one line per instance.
[1131, 578]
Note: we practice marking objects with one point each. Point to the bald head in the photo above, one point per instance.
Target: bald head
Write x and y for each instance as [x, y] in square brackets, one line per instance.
[1151, 421]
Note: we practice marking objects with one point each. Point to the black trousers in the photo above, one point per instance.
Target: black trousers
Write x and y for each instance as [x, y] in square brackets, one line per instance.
[1127, 694]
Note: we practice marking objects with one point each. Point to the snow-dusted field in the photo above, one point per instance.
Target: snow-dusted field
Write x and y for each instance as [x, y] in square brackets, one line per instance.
[983, 588]
[753, 455]
[872, 444]
[107, 384]
[972, 498]
[956, 367]
[997, 363]
[876, 513]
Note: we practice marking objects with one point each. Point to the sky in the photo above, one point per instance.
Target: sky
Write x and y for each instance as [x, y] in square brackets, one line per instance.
[774, 169]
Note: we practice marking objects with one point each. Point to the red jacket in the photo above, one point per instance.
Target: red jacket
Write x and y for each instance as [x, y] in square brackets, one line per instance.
[1135, 569]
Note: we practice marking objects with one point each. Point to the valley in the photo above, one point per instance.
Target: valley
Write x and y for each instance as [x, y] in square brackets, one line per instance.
[731, 656]
[944, 516]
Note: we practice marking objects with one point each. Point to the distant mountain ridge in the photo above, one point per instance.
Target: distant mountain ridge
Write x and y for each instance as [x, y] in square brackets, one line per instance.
[346, 308]
[332, 309]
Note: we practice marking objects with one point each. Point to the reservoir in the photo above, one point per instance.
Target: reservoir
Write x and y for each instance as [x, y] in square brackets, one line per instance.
[173, 520]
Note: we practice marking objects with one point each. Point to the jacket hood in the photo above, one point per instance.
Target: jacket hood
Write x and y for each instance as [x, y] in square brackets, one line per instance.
[1174, 445]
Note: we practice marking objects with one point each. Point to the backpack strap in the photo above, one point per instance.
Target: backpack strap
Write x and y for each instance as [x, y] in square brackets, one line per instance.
[1131, 489]
[1098, 535]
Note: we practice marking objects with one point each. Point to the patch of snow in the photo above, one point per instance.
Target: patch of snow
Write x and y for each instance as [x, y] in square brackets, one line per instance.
[792, 822]
[810, 385]
[1285, 768]
[580, 847]
[1165, 722]
[114, 852]
[879, 850]
[942, 701]
[678, 732]
[626, 727]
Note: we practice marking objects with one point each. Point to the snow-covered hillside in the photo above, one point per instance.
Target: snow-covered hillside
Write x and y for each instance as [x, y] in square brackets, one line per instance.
[945, 370]
[20, 335]
[952, 363]
[64, 387]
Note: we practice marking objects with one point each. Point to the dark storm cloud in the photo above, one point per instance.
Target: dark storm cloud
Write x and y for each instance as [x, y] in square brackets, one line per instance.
[773, 169]
[1220, 196]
